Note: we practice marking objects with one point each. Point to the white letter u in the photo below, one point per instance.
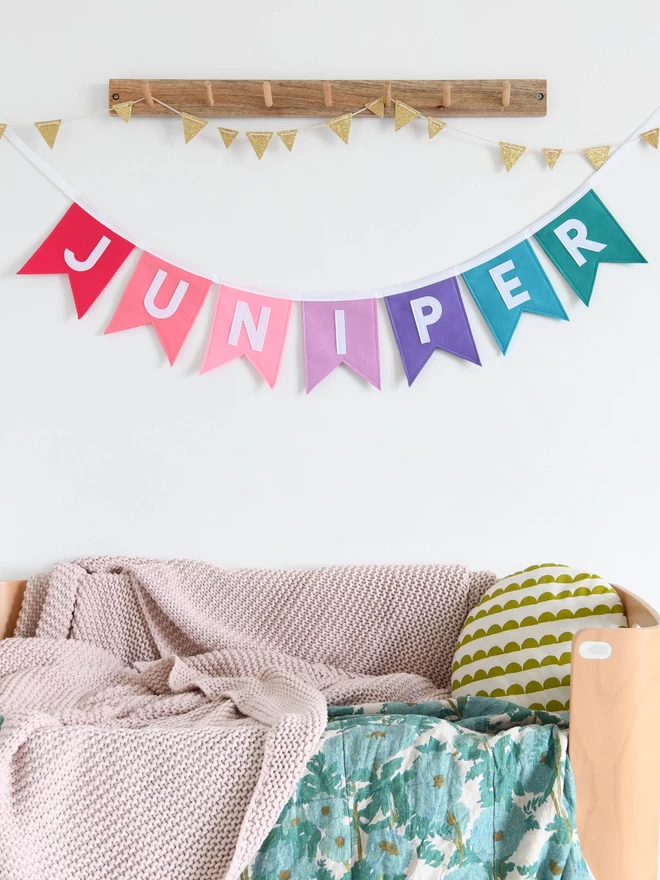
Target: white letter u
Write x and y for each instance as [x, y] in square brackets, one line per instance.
[150, 299]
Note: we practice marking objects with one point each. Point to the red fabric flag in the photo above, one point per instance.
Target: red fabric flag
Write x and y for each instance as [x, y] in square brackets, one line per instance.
[85, 250]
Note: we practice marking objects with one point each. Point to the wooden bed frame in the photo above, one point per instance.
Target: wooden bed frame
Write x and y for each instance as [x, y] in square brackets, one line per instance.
[614, 748]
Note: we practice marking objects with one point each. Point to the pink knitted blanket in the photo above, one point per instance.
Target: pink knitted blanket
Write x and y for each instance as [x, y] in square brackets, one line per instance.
[159, 723]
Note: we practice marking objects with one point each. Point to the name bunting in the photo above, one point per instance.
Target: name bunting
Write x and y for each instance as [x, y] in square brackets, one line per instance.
[424, 319]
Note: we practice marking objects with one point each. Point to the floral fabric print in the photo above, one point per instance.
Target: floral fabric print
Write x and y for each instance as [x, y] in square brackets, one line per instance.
[467, 789]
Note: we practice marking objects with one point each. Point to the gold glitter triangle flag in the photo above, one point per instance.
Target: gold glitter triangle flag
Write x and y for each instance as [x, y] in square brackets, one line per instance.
[124, 110]
[435, 125]
[377, 107]
[511, 153]
[288, 137]
[3, 128]
[403, 114]
[651, 137]
[259, 141]
[49, 130]
[192, 126]
[341, 125]
[551, 156]
[598, 156]
[228, 136]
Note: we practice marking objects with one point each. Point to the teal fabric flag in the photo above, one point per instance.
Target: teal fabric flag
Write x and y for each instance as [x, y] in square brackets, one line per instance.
[507, 286]
[581, 238]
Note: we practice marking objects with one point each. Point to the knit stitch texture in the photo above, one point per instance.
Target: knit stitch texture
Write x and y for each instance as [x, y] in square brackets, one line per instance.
[159, 721]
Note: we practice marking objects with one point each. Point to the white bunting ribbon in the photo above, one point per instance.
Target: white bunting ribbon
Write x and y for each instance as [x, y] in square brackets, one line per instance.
[330, 296]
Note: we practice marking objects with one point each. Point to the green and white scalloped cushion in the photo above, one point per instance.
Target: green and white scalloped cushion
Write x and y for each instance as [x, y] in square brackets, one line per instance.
[516, 643]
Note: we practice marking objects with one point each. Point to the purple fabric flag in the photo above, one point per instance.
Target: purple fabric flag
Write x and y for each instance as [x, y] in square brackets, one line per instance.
[341, 333]
[429, 318]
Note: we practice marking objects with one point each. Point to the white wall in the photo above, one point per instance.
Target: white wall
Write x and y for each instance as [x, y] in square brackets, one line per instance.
[549, 453]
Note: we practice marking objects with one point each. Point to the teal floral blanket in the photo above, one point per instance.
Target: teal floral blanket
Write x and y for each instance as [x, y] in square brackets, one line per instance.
[468, 789]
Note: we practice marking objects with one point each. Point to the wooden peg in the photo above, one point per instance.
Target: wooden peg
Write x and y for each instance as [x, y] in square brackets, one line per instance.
[327, 94]
[506, 93]
[268, 94]
[446, 95]
[148, 98]
[387, 95]
[209, 94]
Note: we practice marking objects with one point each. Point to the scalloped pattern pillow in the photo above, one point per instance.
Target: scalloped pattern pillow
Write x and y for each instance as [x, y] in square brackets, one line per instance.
[516, 643]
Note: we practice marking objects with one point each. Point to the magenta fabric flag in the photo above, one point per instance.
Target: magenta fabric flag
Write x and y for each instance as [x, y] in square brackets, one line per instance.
[341, 333]
[429, 318]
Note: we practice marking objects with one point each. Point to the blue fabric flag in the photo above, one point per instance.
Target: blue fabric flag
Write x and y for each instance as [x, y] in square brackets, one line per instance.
[508, 285]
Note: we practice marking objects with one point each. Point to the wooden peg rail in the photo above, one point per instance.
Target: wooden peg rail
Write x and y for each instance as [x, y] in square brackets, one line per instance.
[305, 97]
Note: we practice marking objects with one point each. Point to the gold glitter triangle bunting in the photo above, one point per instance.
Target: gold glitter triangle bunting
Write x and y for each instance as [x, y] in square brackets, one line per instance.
[403, 114]
[228, 136]
[288, 137]
[3, 129]
[377, 107]
[124, 110]
[551, 155]
[435, 125]
[598, 156]
[49, 130]
[651, 137]
[511, 153]
[192, 126]
[341, 125]
[259, 141]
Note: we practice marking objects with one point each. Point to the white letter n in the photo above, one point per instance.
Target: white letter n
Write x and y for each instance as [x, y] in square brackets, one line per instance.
[243, 318]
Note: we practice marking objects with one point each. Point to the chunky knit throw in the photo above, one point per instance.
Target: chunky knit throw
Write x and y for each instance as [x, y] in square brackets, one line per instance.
[159, 722]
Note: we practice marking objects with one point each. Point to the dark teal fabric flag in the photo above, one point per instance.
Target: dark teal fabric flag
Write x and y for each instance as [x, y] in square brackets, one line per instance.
[581, 238]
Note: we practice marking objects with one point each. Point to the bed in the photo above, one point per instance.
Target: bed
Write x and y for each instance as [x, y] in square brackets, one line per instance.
[615, 715]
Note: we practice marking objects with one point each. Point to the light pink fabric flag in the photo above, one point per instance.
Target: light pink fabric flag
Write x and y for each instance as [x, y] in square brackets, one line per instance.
[250, 325]
[163, 295]
[341, 333]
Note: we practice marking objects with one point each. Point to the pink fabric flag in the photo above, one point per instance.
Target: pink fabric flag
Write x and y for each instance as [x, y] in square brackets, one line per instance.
[341, 333]
[250, 325]
[165, 296]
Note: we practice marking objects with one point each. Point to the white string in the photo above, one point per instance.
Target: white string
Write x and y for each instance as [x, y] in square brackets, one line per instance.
[72, 118]
[450, 127]
[311, 127]
[330, 296]
[163, 104]
[315, 126]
